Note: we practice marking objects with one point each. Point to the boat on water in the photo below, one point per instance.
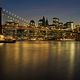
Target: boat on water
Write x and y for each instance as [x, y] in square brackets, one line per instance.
[8, 39]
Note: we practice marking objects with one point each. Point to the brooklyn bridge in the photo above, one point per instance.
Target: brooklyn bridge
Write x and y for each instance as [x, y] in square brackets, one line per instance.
[17, 27]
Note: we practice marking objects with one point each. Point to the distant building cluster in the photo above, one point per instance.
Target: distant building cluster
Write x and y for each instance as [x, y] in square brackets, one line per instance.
[44, 31]
[56, 24]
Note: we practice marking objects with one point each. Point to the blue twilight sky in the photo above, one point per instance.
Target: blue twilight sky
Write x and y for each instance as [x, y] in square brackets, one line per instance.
[66, 10]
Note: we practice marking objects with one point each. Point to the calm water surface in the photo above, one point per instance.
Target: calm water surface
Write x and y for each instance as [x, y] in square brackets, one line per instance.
[40, 60]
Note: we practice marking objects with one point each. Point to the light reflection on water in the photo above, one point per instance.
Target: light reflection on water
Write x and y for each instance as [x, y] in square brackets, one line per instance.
[41, 60]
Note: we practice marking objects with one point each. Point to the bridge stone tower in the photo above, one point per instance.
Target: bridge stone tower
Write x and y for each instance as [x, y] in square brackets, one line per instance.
[0, 20]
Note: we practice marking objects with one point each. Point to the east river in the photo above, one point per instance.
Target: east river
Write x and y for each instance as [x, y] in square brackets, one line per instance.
[40, 60]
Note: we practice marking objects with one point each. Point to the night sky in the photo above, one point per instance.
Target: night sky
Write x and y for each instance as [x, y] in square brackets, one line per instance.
[66, 10]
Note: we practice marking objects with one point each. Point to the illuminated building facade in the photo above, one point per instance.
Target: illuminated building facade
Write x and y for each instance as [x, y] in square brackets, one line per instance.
[32, 23]
[61, 25]
[12, 24]
[56, 22]
[69, 25]
[40, 23]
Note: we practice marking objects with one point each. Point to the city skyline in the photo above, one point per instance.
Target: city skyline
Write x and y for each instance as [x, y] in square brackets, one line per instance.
[34, 9]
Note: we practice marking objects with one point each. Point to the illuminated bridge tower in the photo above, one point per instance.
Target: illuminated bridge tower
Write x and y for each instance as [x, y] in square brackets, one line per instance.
[0, 20]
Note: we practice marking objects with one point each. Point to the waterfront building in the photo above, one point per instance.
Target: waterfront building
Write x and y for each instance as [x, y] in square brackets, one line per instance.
[11, 24]
[56, 22]
[9, 28]
[40, 23]
[61, 25]
[32, 23]
[51, 26]
[47, 23]
[43, 22]
[77, 28]
[69, 25]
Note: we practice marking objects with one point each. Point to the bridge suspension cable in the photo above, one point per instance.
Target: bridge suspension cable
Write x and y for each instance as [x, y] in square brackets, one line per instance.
[8, 15]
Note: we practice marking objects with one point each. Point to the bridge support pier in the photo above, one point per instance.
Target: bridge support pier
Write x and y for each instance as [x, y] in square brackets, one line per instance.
[0, 20]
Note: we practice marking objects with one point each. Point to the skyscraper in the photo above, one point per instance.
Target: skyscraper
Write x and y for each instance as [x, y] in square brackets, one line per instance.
[56, 22]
